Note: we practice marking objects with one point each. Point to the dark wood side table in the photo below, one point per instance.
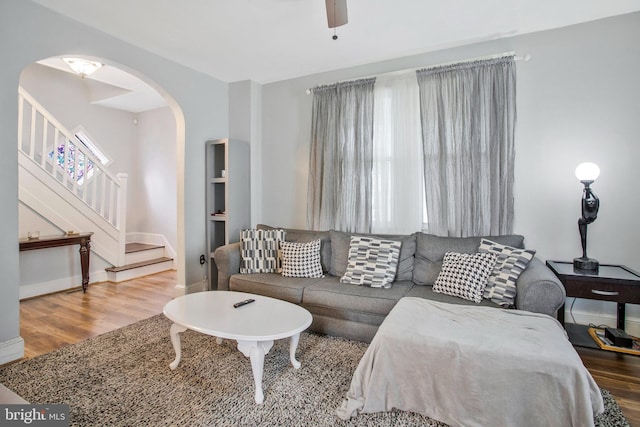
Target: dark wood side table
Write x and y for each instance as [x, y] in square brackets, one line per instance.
[615, 283]
[82, 239]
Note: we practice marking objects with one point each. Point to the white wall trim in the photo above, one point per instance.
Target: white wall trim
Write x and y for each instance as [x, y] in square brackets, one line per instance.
[200, 286]
[57, 285]
[11, 350]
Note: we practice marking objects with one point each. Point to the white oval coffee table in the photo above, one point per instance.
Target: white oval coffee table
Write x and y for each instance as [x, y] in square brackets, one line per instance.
[254, 326]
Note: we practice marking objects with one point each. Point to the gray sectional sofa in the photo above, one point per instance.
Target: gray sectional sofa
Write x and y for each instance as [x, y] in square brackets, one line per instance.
[355, 312]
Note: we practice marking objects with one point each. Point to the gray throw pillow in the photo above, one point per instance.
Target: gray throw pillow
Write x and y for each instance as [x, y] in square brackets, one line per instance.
[304, 236]
[372, 262]
[340, 242]
[511, 262]
[260, 251]
[430, 250]
[465, 275]
[301, 259]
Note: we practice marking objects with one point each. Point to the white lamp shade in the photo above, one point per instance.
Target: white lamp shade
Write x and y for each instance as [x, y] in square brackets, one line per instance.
[587, 171]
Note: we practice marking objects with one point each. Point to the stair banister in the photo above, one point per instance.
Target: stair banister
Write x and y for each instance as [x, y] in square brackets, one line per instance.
[99, 190]
[122, 217]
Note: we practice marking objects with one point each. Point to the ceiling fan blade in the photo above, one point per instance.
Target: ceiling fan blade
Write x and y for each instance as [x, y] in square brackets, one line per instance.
[336, 12]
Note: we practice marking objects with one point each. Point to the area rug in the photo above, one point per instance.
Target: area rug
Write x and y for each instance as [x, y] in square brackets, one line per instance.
[123, 378]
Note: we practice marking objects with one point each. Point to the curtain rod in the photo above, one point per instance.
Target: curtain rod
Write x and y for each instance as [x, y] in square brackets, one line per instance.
[526, 57]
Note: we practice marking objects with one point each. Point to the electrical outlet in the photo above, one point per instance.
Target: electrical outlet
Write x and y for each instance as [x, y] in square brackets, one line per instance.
[203, 260]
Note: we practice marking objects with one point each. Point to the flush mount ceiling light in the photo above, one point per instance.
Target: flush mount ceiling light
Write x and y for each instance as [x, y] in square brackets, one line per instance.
[81, 66]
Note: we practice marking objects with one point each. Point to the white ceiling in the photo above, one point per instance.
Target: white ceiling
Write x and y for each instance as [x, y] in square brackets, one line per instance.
[114, 88]
[271, 40]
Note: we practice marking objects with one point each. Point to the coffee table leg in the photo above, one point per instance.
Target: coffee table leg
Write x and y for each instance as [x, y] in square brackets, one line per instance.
[255, 351]
[293, 346]
[175, 340]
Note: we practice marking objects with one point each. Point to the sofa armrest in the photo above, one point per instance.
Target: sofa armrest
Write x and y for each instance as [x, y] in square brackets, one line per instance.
[227, 260]
[539, 290]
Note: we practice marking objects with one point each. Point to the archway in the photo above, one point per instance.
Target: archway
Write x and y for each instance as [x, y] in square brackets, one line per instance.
[139, 148]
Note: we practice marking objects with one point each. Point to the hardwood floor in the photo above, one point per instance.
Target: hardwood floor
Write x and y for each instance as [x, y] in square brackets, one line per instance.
[52, 321]
[618, 373]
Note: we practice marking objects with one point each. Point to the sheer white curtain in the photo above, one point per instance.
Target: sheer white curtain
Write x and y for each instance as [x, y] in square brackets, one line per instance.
[397, 187]
[468, 124]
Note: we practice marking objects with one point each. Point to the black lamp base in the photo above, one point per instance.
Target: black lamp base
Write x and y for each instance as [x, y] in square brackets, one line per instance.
[589, 265]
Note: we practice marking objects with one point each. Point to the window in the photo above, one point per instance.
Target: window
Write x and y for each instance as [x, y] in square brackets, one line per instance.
[397, 199]
[83, 138]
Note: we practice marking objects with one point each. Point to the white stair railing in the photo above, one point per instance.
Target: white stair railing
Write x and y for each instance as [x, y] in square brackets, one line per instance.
[47, 143]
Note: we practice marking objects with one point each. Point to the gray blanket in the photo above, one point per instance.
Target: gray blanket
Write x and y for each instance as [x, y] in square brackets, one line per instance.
[473, 366]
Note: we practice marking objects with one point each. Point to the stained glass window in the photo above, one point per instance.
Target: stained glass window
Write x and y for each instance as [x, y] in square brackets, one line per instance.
[84, 139]
[71, 162]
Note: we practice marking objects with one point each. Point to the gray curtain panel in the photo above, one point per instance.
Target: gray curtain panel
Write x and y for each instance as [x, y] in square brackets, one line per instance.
[340, 157]
[468, 115]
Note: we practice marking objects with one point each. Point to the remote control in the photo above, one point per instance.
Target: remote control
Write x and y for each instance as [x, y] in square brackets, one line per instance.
[241, 303]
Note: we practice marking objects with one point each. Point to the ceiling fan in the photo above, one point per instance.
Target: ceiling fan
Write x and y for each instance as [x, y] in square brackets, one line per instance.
[336, 14]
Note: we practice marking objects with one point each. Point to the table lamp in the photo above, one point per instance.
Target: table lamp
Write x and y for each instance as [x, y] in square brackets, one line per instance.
[587, 173]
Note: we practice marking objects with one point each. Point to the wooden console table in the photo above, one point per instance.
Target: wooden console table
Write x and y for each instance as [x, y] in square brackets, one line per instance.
[82, 239]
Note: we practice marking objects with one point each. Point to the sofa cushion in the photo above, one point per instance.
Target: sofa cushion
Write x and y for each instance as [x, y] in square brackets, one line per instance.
[303, 236]
[340, 242]
[260, 251]
[301, 259]
[430, 251]
[372, 262]
[465, 275]
[428, 293]
[330, 293]
[511, 262]
[271, 285]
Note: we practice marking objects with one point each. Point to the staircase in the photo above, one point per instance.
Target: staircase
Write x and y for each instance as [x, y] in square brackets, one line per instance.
[141, 260]
[65, 183]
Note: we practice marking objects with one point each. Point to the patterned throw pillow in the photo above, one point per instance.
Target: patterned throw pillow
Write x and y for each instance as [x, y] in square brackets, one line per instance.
[260, 251]
[511, 262]
[301, 259]
[465, 275]
[372, 262]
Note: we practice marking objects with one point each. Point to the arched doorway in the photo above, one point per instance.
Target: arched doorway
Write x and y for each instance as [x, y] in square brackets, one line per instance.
[140, 128]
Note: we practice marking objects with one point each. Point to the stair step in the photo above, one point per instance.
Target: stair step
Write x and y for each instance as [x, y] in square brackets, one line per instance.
[139, 247]
[138, 264]
[139, 252]
[139, 269]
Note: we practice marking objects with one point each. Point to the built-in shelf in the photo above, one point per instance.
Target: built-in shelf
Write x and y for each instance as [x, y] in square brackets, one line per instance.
[227, 170]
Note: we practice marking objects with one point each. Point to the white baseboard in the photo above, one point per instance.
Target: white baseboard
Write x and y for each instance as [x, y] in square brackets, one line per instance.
[184, 289]
[11, 350]
[200, 286]
[587, 318]
[57, 285]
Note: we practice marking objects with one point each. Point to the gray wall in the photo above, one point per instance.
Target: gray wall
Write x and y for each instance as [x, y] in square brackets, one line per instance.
[29, 33]
[245, 124]
[577, 101]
